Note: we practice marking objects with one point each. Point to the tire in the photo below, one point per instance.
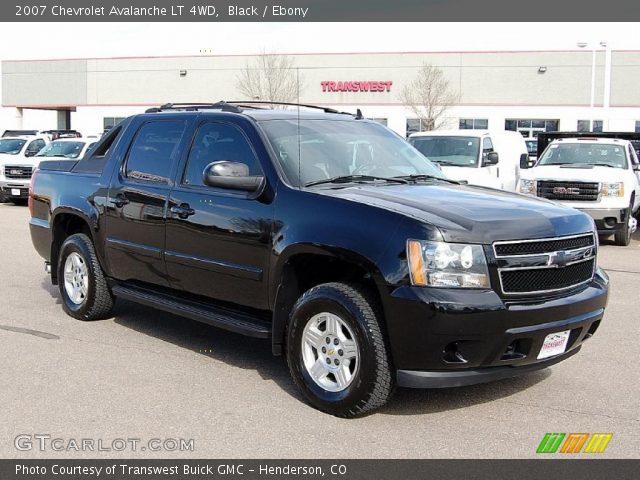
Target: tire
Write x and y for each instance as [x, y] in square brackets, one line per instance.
[363, 379]
[622, 237]
[94, 300]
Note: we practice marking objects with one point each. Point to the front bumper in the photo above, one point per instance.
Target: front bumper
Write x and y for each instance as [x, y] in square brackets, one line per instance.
[447, 337]
[608, 220]
[15, 189]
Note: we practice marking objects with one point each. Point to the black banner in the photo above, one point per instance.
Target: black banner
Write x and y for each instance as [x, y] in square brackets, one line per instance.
[317, 11]
[128, 469]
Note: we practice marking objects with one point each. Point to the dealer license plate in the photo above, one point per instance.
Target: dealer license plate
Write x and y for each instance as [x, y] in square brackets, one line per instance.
[554, 344]
[15, 192]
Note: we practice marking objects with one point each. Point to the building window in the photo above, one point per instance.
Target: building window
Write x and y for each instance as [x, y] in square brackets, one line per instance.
[110, 122]
[585, 126]
[382, 121]
[414, 125]
[529, 128]
[474, 124]
[637, 126]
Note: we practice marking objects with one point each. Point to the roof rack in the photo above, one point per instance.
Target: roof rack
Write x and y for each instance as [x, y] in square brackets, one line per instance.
[192, 106]
[236, 106]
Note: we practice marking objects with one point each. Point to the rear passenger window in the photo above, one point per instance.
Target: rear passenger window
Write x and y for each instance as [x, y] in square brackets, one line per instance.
[153, 151]
[215, 142]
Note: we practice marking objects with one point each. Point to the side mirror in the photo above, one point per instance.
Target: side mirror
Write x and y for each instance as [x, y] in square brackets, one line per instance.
[231, 175]
[636, 167]
[524, 161]
[490, 159]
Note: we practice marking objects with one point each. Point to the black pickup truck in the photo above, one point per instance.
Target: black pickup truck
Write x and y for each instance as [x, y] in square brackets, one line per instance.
[327, 234]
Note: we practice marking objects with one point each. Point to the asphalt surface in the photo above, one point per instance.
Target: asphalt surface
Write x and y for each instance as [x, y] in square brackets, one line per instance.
[145, 374]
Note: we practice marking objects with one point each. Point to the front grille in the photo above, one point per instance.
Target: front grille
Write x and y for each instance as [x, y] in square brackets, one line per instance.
[546, 279]
[18, 172]
[577, 191]
[545, 265]
[538, 247]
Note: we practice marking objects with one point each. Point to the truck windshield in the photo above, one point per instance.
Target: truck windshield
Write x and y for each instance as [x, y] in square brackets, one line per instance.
[317, 150]
[455, 151]
[602, 154]
[62, 149]
[11, 146]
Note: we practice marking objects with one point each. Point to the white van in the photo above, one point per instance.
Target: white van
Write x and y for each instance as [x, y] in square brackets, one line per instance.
[481, 157]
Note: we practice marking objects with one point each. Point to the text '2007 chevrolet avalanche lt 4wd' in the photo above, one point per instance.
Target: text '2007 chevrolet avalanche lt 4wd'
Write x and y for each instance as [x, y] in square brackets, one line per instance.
[327, 234]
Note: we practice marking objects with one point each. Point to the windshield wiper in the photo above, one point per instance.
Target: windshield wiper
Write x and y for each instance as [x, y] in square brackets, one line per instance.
[418, 177]
[602, 165]
[354, 178]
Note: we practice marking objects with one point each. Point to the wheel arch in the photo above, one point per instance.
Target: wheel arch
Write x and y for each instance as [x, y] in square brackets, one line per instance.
[64, 223]
[305, 266]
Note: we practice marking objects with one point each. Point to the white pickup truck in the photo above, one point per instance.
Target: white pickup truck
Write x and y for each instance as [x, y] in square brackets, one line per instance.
[600, 176]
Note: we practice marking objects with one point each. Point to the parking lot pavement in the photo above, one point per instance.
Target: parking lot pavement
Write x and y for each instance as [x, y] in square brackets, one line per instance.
[145, 374]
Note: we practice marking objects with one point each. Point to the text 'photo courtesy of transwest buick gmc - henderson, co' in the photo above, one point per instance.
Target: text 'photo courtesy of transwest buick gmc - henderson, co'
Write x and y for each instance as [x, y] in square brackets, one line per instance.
[367, 261]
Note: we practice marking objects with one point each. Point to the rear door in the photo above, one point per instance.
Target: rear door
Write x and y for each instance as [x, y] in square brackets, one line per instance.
[219, 246]
[137, 200]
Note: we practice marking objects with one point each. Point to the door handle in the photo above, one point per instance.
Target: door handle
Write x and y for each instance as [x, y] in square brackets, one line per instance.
[183, 210]
[119, 201]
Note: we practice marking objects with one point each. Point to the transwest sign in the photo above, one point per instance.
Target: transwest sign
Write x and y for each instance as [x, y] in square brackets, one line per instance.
[357, 86]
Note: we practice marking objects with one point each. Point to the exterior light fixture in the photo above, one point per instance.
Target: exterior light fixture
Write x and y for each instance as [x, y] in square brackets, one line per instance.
[542, 69]
[183, 73]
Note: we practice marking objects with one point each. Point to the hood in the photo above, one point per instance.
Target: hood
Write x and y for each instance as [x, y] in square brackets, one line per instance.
[583, 173]
[475, 176]
[468, 214]
[6, 159]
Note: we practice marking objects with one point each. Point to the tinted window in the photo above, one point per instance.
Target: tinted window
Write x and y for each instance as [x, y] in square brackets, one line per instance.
[153, 150]
[36, 146]
[487, 145]
[216, 142]
[457, 151]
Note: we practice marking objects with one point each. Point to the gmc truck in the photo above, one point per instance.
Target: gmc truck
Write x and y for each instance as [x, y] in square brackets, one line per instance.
[367, 268]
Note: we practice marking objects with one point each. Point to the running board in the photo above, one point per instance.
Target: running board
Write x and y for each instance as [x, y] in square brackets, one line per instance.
[238, 322]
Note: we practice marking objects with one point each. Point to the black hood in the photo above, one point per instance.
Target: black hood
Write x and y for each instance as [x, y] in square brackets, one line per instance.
[470, 214]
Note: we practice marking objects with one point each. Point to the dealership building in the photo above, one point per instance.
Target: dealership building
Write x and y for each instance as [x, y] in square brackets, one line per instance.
[528, 91]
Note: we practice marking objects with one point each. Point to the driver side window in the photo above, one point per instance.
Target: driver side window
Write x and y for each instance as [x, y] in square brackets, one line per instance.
[34, 147]
[487, 146]
[217, 142]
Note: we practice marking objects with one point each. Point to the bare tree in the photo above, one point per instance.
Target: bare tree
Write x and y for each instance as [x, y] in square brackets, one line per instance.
[270, 77]
[429, 95]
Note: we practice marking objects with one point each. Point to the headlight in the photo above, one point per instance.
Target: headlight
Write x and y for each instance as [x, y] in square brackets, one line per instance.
[453, 265]
[528, 187]
[612, 189]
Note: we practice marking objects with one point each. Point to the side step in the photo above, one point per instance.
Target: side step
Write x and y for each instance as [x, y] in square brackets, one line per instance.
[238, 322]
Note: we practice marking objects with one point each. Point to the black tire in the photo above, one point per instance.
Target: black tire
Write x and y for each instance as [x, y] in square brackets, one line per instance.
[19, 201]
[99, 300]
[374, 380]
[622, 237]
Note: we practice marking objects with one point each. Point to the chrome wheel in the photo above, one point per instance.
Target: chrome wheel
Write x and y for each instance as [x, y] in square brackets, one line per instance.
[76, 278]
[330, 352]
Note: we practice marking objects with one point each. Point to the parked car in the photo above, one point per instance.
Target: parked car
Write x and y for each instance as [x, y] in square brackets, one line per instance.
[15, 175]
[599, 176]
[16, 164]
[480, 157]
[367, 270]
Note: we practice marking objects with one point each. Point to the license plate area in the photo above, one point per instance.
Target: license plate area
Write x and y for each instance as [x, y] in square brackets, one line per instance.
[554, 344]
[15, 192]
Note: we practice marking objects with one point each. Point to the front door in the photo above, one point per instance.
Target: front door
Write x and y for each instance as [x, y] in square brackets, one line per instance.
[218, 239]
[137, 203]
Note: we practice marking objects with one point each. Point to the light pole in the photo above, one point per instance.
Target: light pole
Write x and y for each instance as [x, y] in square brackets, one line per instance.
[593, 82]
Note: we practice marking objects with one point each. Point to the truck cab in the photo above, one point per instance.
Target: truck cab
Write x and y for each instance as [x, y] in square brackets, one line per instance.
[17, 162]
[600, 176]
[480, 157]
